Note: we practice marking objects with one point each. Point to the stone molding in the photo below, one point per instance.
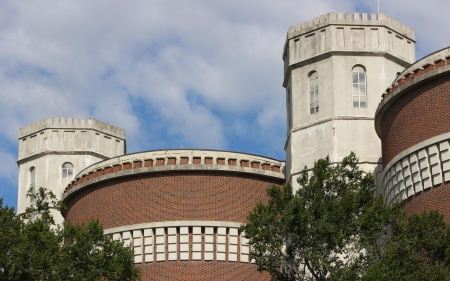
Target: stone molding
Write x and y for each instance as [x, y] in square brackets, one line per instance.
[329, 54]
[325, 120]
[417, 169]
[422, 71]
[332, 118]
[52, 152]
[175, 160]
[184, 241]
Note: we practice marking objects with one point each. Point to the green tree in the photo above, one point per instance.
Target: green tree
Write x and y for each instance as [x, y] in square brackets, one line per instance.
[418, 250]
[322, 231]
[29, 246]
[88, 254]
[33, 248]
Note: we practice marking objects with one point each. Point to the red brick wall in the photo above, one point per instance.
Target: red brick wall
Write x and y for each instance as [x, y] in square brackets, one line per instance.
[153, 197]
[200, 270]
[418, 115]
[431, 199]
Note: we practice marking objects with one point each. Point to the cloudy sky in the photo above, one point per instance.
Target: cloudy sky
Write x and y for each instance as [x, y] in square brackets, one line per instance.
[172, 73]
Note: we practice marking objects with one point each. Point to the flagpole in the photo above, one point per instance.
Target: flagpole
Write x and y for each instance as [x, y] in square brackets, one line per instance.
[378, 6]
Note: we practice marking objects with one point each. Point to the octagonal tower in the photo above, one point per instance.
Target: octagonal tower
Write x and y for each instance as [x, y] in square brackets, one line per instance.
[335, 68]
[52, 150]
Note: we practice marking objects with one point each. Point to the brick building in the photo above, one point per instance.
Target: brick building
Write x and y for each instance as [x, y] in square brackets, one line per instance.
[181, 209]
[412, 122]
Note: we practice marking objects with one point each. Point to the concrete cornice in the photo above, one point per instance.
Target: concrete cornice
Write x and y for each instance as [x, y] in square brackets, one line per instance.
[170, 169]
[325, 120]
[405, 88]
[329, 54]
[51, 152]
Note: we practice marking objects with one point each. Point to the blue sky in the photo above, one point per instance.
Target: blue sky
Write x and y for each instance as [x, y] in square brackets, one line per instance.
[196, 74]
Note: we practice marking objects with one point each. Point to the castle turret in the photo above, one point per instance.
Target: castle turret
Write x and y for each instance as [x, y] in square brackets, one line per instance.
[53, 150]
[335, 68]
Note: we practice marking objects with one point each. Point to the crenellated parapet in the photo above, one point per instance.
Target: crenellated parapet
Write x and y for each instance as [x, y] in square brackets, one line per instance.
[351, 19]
[349, 34]
[70, 135]
[176, 160]
[71, 123]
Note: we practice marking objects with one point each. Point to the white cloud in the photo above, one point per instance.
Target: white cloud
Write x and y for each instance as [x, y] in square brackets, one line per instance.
[9, 170]
[198, 73]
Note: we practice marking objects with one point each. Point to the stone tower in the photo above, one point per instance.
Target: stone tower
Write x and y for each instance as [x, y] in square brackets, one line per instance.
[335, 69]
[52, 151]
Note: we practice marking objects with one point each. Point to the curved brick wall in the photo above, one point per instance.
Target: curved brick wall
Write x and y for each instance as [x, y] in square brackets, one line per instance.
[207, 271]
[412, 121]
[211, 196]
[434, 198]
[180, 210]
[416, 116]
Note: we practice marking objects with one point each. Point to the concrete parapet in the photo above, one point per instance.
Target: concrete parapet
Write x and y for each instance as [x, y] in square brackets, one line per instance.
[183, 159]
[426, 69]
[349, 34]
[70, 135]
[350, 19]
[70, 123]
[428, 63]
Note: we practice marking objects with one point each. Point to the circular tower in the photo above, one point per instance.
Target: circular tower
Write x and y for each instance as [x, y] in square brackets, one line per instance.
[52, 150]
[412, 121]
[335, 67]
[179, 209]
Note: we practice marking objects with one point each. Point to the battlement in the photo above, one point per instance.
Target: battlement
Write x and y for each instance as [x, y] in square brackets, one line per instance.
[351, 19]
[343, 35]
[71, 123]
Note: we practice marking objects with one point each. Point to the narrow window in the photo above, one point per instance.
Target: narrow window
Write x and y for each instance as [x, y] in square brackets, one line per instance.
[67, 175]
[359, 87]
[313, 93]
[289, 108]
[32, 182]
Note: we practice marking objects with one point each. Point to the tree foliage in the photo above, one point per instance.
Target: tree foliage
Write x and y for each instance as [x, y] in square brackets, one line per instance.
[33, 248]
[418, 250]
[322, 231]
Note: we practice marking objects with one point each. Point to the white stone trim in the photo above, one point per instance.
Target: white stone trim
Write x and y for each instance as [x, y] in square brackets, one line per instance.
[273, 168]
[417, 169]
[171, 223]
[184, 240]
[148, 245]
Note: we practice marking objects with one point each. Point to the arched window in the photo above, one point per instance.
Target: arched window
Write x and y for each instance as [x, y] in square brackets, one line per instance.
[67, 174]
[32, 181]
[359, 91]
[313, 93]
